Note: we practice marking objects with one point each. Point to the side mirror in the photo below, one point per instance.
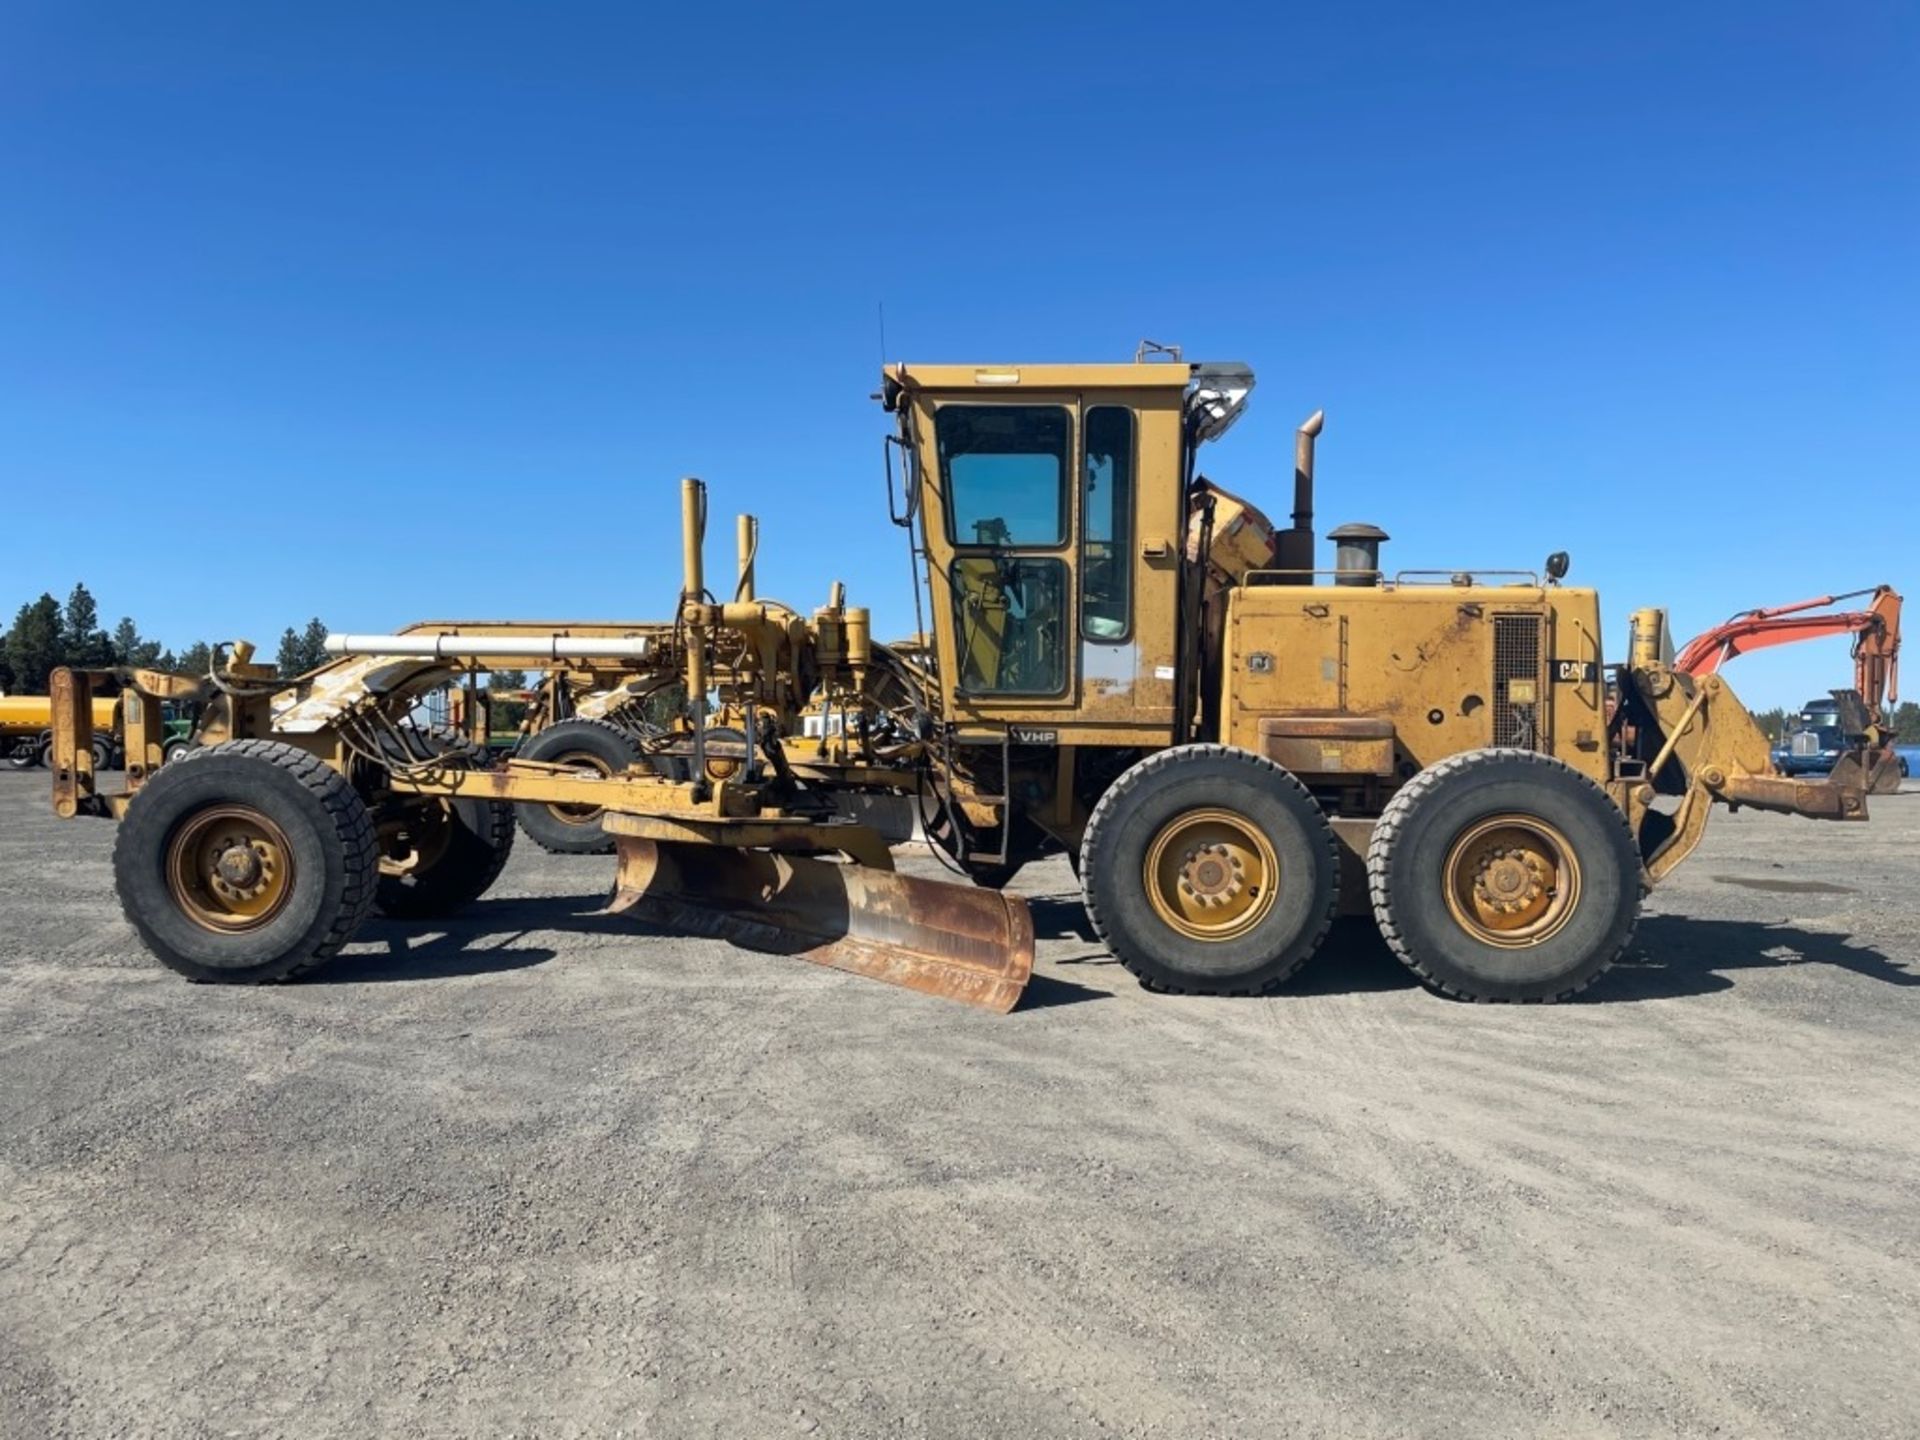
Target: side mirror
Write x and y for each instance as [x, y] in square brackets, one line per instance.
[1557, 564]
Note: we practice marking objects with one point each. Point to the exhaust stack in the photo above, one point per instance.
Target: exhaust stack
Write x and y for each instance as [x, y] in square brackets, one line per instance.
[1295, 550]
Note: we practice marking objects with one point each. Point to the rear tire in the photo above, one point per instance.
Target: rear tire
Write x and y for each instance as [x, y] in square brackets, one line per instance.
[590, 744]
[246, 863]
[1209, 870]
[440, 855]
[1504, 875]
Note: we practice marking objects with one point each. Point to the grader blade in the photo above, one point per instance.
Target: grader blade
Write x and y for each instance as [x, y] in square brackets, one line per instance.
[953, 941]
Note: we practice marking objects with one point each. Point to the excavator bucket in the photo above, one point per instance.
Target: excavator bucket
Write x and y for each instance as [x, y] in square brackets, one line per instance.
[1883, 771]
[949, 940]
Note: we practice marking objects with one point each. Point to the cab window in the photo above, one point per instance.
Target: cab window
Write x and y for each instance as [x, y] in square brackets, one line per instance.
[1010, 619]
[1106, 538]
[1004, 469]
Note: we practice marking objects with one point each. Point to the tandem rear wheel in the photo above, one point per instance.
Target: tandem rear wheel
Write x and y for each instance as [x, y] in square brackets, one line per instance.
[1504, 875]
[1209, 870]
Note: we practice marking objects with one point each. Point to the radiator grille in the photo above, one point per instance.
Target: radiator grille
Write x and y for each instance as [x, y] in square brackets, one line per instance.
[1516, 656]
[1805, 742]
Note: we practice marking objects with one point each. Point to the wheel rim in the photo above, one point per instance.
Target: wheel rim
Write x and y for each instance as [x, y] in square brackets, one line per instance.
[1211, 874]
[724, 767]
[1512, 881]
[230, 868]
[416, 840]
[580, 814]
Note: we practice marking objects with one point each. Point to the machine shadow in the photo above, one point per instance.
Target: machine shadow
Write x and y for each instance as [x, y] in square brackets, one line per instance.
[476, 941]
[1352, 960]
[1673, 956]
[1060, 917]
[1046, 992]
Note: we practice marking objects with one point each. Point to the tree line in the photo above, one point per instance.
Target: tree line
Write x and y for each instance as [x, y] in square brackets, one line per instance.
[46, 635]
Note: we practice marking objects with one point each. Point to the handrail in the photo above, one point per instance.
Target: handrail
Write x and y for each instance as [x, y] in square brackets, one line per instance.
[1532, 576]
[1247, 579]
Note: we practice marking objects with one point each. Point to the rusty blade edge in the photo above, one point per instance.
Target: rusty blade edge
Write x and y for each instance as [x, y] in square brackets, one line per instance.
[964, 980]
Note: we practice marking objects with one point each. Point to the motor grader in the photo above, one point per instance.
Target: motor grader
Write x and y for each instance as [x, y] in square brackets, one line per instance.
[1122, 660]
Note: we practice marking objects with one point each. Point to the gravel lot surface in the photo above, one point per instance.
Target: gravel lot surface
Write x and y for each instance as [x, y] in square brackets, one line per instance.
[540, 1173]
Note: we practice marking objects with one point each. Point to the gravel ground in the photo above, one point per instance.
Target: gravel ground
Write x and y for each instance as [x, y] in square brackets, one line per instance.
[539, 1173]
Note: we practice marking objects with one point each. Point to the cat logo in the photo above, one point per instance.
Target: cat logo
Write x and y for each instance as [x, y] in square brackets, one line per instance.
[1028, 735]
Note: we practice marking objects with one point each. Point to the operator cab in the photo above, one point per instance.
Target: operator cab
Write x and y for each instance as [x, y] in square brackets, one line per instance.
[1050, 504]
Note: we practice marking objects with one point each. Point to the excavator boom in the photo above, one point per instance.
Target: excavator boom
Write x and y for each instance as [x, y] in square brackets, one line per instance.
[1875, 628]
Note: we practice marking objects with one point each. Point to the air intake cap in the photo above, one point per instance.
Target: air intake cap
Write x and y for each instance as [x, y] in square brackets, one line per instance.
[1356, 554]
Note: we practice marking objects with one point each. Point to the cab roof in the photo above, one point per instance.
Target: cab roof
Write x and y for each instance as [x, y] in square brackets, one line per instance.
[1134, 376]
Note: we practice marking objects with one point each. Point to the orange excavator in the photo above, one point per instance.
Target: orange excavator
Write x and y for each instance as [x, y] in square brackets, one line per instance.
[1865, 711]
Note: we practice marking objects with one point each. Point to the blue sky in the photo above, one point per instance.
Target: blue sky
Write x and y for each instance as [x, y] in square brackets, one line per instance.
[382, 312]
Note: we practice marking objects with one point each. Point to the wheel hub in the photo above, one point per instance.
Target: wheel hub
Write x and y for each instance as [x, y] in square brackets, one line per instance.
[1509, 880]
[1512, 880]
[240, 868]
[580, 814]
[1211, 874]
[229, 868]
[414, 838]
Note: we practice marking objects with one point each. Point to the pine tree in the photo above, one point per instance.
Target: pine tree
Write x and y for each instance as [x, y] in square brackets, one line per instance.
[130, 647]
[314, 643]
[35, 645]
[292, 659]
[195, 659]
[302, 650]
[85, 643]
[126, 641]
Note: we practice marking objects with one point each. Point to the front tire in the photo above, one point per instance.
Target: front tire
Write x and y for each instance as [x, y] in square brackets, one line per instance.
[1209, 870]
[246, 863]
[1504, 875]
[585, 744]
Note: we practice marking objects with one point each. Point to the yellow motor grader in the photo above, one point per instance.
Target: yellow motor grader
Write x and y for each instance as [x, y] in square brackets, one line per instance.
[1120, 660]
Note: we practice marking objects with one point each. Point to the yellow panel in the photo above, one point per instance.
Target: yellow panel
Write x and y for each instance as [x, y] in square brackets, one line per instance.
[1421, 658]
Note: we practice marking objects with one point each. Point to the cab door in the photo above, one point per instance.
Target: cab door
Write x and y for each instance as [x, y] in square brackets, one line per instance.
[1000, 551]
[1052, 525]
